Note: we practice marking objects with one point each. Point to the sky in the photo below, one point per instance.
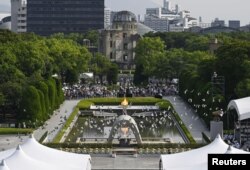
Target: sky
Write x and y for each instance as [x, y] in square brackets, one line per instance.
[207, 9]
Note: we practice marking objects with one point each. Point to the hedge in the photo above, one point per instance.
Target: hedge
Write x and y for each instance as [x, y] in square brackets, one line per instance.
[184, 128]
[43, 137]
[85, 104]
[5, 131]
[107, 145]
[204, 136]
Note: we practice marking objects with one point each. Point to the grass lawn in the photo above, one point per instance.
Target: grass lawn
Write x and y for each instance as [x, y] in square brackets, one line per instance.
[6, 131]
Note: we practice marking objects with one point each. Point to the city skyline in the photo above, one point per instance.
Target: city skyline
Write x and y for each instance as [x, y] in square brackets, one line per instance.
[208, 10]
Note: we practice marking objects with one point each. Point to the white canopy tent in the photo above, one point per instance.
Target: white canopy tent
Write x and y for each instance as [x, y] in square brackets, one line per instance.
[196, 159]
[3, 166]
[242, 106]
[33, 156]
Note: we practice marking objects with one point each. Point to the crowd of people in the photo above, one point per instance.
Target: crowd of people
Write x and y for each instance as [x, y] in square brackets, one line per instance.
[77, 91]
[92, 90]
[230, 140]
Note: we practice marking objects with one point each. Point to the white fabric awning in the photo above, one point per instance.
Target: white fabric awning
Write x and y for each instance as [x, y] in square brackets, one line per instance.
[196, 159]
[3, 166]
[242, 106]
[33, 156]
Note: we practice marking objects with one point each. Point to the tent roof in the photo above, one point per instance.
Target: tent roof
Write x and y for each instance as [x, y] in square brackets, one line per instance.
[20, 161]
[3, 166]
[242, 106]
[32, 155]
[46, 154]
[195, 159]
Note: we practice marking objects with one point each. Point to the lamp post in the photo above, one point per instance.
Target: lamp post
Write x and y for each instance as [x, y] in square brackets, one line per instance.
[219, 83]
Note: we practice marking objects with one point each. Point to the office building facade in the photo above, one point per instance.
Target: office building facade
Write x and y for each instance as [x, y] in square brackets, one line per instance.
[107, 17]
[234, 24]
[218, 23]
[46, 17]
[18, 16]
[169, 19]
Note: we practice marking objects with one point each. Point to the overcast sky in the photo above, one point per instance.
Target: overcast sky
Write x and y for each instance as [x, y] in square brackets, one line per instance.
[207, 9]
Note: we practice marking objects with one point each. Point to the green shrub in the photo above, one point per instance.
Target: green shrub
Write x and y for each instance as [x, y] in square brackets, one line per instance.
[184, 128]
[204, 136]
[85, 104]
[43, 137]
[30, 107]
[164, 105]
[107, 145]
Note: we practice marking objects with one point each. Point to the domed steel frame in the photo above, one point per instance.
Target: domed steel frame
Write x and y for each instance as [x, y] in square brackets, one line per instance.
[129, 122]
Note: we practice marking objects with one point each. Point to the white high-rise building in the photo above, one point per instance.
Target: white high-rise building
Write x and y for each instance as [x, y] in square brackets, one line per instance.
[170, 19]
[157, 24]
[107, 17]
[167, 5]
[18, 16]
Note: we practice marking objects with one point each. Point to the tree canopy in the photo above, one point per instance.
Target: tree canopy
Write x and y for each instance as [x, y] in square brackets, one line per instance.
[27, 63]
[187, 56]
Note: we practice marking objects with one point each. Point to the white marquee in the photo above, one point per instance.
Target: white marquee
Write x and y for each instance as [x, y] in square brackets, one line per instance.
[242, 106]
[33, 156]
[197, 159]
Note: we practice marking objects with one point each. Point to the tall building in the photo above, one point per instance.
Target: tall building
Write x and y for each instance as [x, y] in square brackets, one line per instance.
[157, 24]
[107, 17]
[46, 17]
[234, 23]
[169, 19]
[218, 23]
[18, 16]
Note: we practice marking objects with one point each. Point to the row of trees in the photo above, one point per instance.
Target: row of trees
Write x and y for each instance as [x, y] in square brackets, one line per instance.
[186, 56]
[32, 69]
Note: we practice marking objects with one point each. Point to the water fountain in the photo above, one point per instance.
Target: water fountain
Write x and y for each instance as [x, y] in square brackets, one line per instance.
[125, 124]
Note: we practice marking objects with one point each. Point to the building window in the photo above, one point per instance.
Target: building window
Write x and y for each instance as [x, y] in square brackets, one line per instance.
[125, 35]
[125, 46]
[125, 57]
[111, 35]
[111, 55]
[111, 44]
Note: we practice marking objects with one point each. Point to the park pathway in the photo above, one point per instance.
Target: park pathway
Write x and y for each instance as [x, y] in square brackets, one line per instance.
[57, 120]
[194, 124]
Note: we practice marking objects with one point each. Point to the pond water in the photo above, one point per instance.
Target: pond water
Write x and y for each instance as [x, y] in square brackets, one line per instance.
[152, 126]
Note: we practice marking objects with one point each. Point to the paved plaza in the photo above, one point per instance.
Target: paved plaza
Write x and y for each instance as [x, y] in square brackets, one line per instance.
[57, 120]
[11, 141]
[143, 162]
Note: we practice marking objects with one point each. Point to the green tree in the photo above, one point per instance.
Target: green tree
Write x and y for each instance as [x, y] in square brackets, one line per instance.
[230, 63]
[148, 52]
[100, 65]
[30, 108]
[68, 56]
[112, 74]
[92, 35]
[42, 86]
[243, 88]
